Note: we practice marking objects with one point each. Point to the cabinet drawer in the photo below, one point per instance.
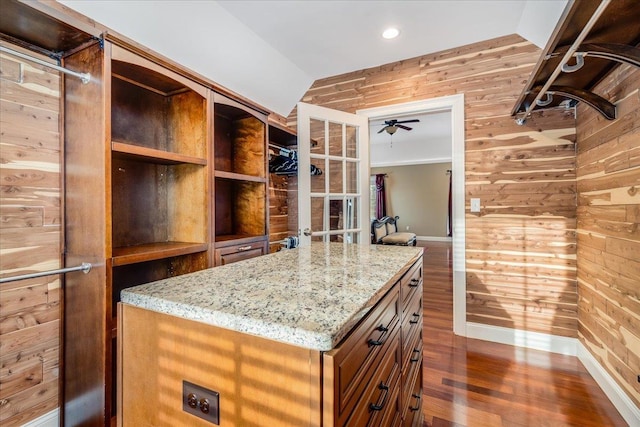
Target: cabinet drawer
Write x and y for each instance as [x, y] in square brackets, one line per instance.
[380, 398]
[411, 325]
[231, 254]
[361, 350]
[413, 416]
[411, 282]
[410, 376]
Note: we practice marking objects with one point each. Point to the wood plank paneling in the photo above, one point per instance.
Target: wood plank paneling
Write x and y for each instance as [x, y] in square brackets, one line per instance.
[30, 239]
[521, 248]
[608, 214]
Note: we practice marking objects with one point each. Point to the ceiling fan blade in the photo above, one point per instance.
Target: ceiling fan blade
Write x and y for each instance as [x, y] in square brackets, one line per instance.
[403, 127]
[382, 130]
[409, 121]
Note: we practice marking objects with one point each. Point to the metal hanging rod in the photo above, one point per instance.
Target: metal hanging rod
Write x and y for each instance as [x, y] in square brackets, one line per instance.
[85, 267]
[85, 77]
[286, 150]
[565, 59]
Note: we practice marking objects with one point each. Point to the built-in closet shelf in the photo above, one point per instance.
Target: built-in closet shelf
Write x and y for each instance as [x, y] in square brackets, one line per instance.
[154, 251]
[153, 155]
[239, 176]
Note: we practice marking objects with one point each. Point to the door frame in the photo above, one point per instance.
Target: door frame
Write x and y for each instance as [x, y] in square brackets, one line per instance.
[454, 104]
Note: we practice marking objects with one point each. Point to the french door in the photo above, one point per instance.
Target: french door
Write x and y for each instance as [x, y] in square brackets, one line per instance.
[333, 175]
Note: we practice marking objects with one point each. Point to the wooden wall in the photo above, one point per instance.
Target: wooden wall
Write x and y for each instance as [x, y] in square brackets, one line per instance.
[608, 174]
[521, 248]
[30, 236]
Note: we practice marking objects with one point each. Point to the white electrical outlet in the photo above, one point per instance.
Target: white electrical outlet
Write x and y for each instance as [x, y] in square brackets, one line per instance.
[407, 228]
[475, 205]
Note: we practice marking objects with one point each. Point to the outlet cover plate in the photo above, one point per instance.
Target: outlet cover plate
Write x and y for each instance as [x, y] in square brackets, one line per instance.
[200, 393]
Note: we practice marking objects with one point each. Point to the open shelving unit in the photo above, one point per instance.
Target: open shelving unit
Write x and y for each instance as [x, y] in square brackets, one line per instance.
[240, 187]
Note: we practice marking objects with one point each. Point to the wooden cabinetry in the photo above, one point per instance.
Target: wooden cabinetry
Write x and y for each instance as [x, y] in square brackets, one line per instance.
[137, 202]
[371, 378]
[374, 377]
[240, 181]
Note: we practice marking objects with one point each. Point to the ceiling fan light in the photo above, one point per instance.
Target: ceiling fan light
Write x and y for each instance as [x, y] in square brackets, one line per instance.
[390, 33]
[391, 129]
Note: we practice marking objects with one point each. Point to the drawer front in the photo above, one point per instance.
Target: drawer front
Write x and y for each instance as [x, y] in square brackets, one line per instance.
[381, 394]
[413, 416]
[231, 254]
[411, 282]
[410, 377]
[411, 324]
[361, 350]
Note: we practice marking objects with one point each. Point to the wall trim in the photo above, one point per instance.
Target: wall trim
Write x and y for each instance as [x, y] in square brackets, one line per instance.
[628, 410]
[520, 338]
[50, 419]
[455, 104]
[434, 239]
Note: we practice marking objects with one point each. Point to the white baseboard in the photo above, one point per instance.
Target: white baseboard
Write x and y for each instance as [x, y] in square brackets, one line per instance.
[433, 238]
[518, 338]
[563, 345]
[50, 419]
[629, 411]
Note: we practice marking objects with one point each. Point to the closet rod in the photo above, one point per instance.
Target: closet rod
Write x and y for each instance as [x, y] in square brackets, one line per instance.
[286, 150]
[565, 59]
[85, 267]
[85, 77]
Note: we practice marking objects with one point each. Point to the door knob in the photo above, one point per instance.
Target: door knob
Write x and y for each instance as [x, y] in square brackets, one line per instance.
[307, 232]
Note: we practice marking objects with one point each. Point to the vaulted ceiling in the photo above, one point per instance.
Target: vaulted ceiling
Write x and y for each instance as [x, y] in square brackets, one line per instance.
[272, 51]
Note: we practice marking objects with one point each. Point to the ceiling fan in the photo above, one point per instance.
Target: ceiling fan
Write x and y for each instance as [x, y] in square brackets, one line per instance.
[391, 126]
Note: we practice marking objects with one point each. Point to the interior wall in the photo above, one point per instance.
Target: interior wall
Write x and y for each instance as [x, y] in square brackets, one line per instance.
[521, 247]
[608, 175]
[30, 236]
[419, 195]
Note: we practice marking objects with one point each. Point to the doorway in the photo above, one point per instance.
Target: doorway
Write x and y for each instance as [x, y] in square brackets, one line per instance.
[454, 104]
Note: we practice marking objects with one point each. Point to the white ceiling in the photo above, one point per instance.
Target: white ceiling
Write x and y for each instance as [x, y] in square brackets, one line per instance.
[428, 141]
[272, 51]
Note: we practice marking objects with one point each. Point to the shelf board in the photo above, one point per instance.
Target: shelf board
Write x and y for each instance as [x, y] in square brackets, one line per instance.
[229, 239]
[153, 155]
[153, 251]
[239, 176]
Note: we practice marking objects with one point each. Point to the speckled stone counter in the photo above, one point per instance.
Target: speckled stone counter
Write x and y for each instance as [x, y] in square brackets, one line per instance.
[310, 297]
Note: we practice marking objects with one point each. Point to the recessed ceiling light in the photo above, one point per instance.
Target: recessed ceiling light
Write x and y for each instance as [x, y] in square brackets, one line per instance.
[390, 33]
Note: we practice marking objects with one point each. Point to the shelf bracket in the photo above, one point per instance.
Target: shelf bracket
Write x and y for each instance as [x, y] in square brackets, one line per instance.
[604, 107]
[611, 51]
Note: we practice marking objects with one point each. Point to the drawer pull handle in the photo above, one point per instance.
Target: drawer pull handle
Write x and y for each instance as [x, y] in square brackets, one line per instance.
[244, 248]
[414, 283]
[417, 396]
[385, 388]
[373, 342]
[381, 328]
[416, 317]
[415, 350]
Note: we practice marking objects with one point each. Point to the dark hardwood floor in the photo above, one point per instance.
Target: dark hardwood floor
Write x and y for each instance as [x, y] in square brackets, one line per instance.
[474, 383]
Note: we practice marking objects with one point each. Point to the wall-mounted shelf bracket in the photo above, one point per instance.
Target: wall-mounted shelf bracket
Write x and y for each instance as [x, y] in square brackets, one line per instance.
[591, 39]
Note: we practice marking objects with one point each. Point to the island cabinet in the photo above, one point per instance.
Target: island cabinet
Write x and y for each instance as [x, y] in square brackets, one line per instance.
[274, 373]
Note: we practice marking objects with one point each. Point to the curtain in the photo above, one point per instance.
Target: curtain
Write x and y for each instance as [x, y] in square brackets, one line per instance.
[381, 205]
[449, 216]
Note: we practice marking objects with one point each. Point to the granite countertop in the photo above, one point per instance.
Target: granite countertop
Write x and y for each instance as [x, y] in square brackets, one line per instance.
[310, 297]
